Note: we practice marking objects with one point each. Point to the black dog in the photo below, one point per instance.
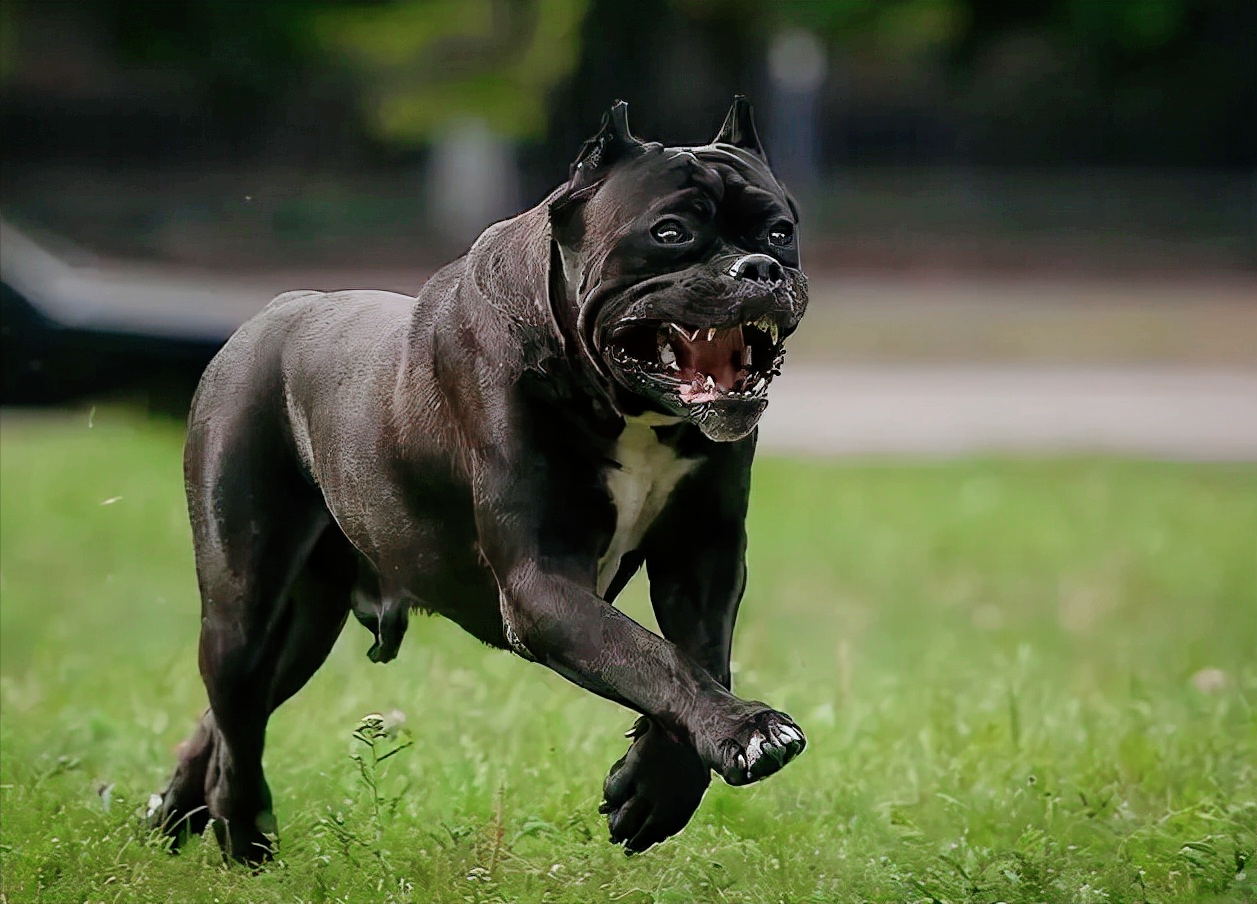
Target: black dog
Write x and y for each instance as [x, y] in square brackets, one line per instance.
[575, 397]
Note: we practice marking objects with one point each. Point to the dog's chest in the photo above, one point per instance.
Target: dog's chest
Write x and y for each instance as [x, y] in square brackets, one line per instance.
[648, 472]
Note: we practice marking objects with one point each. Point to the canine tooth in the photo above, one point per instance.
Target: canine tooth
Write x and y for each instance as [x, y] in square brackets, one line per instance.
[694, 335]
[711, 333]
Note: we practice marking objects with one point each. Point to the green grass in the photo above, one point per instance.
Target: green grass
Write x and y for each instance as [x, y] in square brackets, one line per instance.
[993, 660]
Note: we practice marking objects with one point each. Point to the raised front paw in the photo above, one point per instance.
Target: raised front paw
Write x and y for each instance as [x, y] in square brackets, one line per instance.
[654, 789]
[760, 745]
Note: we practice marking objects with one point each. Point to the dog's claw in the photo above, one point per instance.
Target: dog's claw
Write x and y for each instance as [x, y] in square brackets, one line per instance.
[771, 741]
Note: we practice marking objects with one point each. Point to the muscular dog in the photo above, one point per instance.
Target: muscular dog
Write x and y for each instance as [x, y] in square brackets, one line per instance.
[575, 397]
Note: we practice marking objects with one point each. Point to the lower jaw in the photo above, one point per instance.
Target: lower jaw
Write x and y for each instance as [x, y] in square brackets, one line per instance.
[718, 414]
[728, 420]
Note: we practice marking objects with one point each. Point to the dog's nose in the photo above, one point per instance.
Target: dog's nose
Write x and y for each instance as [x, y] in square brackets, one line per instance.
[759, 267]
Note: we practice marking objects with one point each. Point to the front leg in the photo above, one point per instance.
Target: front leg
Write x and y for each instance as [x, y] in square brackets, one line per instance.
[545, 566]
[561, 623]
[695, 589]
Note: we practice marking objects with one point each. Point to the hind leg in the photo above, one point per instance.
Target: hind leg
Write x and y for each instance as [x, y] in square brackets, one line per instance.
[219, 769]
[270, 612]
[180, 810]
[243, 699]
[320, 599]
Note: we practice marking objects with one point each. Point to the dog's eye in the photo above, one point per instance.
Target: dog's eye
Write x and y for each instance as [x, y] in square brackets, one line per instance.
[781, 234]
[670, 232]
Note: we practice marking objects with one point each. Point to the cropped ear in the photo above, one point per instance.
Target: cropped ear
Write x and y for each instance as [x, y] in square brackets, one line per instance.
[613, 143]
[739, 127]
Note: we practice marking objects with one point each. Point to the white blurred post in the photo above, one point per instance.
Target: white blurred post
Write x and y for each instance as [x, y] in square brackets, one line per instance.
[797, 68]
[472, 180]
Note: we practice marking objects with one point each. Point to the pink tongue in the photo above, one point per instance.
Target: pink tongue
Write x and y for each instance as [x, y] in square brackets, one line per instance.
[720, 358]
[695, 392]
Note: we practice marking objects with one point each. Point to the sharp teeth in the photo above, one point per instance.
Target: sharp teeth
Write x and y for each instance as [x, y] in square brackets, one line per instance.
[674, 367]
[711, 333]
[694, 335]
[746, 357]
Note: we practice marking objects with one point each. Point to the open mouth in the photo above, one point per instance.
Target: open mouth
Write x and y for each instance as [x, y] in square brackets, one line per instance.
[702, 364]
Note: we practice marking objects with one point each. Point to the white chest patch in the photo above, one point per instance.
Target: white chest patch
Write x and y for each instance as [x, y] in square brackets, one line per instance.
[648, 472]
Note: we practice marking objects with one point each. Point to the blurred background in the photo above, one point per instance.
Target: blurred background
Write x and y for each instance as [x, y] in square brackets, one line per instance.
[1029, 225]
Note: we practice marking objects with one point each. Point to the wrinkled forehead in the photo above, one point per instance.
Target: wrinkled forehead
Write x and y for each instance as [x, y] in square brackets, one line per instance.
[738, 167]
[721, 172]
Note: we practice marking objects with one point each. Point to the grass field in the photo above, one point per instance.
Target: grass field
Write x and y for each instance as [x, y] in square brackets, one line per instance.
[1027, 681]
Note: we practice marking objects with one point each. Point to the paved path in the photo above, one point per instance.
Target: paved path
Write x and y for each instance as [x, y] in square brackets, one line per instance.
[942, 411]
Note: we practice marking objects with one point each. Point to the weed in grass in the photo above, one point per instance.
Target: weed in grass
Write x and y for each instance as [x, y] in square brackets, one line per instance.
[382, 738]
[358, 834]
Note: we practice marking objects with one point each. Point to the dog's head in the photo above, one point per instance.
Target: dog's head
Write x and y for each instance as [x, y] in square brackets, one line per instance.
[680, 271]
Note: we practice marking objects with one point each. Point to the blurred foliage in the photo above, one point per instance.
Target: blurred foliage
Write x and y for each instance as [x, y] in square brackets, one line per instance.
[424, 63]
[1133, 26]
[8, 40]
[248, 52]
[413, 67]
[416, 64]
[896, 27]
[886, 27]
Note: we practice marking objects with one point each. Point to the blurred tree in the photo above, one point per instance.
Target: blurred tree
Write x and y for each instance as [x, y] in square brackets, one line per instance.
[898, 26]
[244, 55]
[426, 63]
[417, 63]
[887, 27]
[8, 41]
[984, 81]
